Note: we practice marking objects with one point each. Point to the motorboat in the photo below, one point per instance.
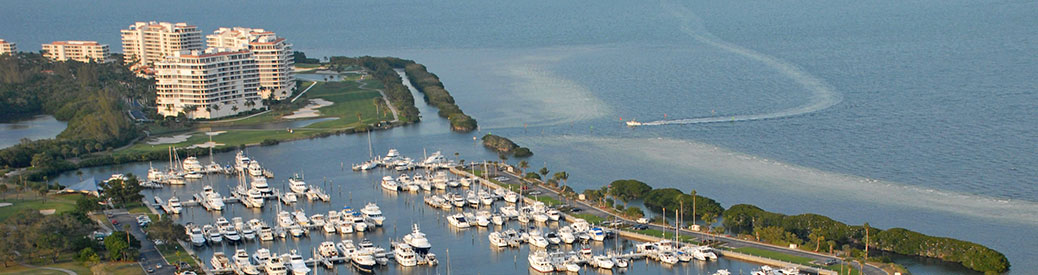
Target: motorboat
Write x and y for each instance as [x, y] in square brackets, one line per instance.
[359, 224]
[296, 263]
[404, 254]
[417, 240]
[620, 262]
[285, 219]
[512, 197]
[668, 257]
[390, 184]
[296, 184]
[538, 240]
[328, 250]
[435, 160]
[301, 218]
[241, 162]
[553, 238]
[261, 256]
[363, 261]
[212, 199]
[553, 214]
[254, 198]
[458, 200]
[248, 234]
[566, 235]
[373, 213]
[231, 235]
[345, 226]
[156, 175]
[266, 234]
[722, 272]
[220, 261]
[275, 265]
[330, 227]
[458, 220]
[540, 217]
[316, 193]
[289, 198]
[196, 235]
[192, 165]
[498, 239]
[242, 263]
[296, 230]
[497, 219]
[540, 261]
[261, 185]
[255, 169]
[212, 234]
[317, 220]
[346, 248]
[633, 123]
[597, 234]
[602, 262]
[174, 205]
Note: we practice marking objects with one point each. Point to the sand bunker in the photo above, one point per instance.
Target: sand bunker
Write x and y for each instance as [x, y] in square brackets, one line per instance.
[205, 145]
[309, 110]
[169, 140]
[5, 204]
[48, 211]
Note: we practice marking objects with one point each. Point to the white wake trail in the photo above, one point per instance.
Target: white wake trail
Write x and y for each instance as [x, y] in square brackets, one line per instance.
[822, 95]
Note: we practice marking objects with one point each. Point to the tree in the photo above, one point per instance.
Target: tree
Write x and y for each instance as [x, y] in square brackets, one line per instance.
[3, 189]
[118, 248]
[544, 172]
[166, 230]
[634, 212]
[85, 204]
[42, 161]
[88, 256]
[562, 175]
[523, 164]
[628, 190]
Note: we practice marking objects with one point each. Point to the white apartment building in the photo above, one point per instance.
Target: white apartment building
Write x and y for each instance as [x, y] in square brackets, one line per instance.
[273, 56]
[145, 43]
[7, 47]
[82, 51]
[214, 83]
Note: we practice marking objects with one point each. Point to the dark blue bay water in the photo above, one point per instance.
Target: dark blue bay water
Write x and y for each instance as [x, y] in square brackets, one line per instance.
[915, 114]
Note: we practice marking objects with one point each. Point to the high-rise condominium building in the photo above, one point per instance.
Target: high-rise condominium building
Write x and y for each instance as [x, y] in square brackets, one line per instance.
[213, 83]
[7, 47]
[273, 56]
[82, 51]
[145, 43]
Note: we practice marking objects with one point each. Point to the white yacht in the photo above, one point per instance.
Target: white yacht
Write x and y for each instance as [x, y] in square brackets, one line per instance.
[458, 200]
[231, 235]
[285, 219]
[296, 231]
[276, 266]
[174, 205]
[261, 185]
[346, 248]
[301, 218]
[602, 262]
[497, 239]
[540, 261]
[668, 257]
[248, 234]
[390, 184]
[296, 184]
[359, 224]
[404, 254]
[254, 198]
[242, 263]
[192, 165]
[553, 214]
[566, 235]
[538, 240]
[241, 162]
[373, 213]
[363, 261]
[156, 175]
[255, 169]
[317, 220]
[511, 197]
[266, 234]
[458, 220]
[597, 234]
[418, 241]
[633, 123]
[196, 234]
[553, 238]
[328, 250]
[289, 198]
[722, 272]
[296, 263]
[212, 198]
[220, 261]
[212, 233]
[261, 256]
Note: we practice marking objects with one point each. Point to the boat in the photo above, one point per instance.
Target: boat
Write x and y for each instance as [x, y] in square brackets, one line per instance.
[220, 261]
[174, 205]
[248, 234]
[633, 123]
[363, 261]
[212, 199]
[346, 248]
[285, 219]
[301, 218]
[497, 219]
[296, 184]
[156, 175]
[498, 239]
[404, 254]
[373, 213]
[255, 169]
[212, 234]
[193, 175]
[458, 220]
[192, 165]
[241, 162]
[390, 184]
[328, 250]
[359, 224]
[553, 238]
[254, 198]
[266, 234]
[566, 235]
[620, 262]
[435, 160]
[196, 235]
[553, 214]
[458, 200]
[602, 262]
[668, 257]
[261, 256]
[316, 193]
[511, 197]
[261, 185]
[722, 272]
[417, 240]
[538, 240]
[296, 263]
[597, 234]
[242, 263]
[275, 266]
[317, 220]
[540, 262]
[289, 198]
[296, 230]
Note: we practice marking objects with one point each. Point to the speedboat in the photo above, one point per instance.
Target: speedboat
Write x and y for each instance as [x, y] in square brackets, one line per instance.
[261, 256]
[196, 234]
[597, 234]
[220, 261]
[458, 220]
[540, 261]
[297, 185]
[174, 205]
[602, 262]
[538, 240]
[553, 238]
[417, 240]
[241, 260]
[363, 261]
[404, 254]
[498, 239]
[373, 213]
[289, 198]
[633, 123]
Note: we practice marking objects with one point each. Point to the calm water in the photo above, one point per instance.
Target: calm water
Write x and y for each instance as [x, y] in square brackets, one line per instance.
[914, 114]
[37, 127]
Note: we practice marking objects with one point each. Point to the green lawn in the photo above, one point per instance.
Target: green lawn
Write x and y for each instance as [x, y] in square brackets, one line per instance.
[547, 200]
[60, 203]
[73, 266]
[589, 218]
[774, 255]
[306, 65]
[170, 251]
[666, 235]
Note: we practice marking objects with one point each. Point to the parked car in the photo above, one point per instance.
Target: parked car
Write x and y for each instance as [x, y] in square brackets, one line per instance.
[643, 220]
[115, 222]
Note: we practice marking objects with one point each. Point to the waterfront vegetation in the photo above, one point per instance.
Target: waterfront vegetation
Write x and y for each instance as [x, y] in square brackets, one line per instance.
[812, 230]
[435, 93]
[381, 68]
[505, 146]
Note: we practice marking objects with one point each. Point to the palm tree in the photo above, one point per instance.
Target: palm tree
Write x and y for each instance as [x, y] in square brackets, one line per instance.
[544, 173]
[523, 164]
[693, 206]
[562, 175]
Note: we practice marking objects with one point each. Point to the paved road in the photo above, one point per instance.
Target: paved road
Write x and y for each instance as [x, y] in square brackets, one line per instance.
[149, 253]
[730, 242]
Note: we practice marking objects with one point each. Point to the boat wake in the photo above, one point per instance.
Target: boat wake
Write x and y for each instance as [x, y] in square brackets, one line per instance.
[822, 95]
